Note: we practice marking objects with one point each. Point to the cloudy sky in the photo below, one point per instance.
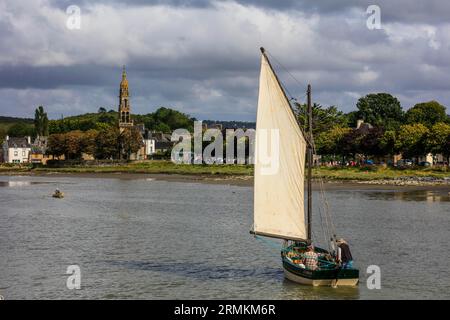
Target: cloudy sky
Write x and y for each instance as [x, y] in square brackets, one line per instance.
[202, 57]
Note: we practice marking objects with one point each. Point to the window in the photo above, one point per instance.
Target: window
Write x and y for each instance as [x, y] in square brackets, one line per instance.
[16, 153]
[23, 153]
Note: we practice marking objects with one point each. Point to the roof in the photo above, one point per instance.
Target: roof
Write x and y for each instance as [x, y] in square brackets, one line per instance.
[16, 142]
[163, 144]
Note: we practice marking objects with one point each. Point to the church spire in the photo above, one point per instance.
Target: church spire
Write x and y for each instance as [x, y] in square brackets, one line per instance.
[124, 102]
[124, 73]
[124, 82]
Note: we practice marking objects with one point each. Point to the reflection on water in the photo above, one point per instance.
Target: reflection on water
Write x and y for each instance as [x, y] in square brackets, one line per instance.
[201, 271]
[19, 183]
[416, 195]
[295, 291]
[134, 238]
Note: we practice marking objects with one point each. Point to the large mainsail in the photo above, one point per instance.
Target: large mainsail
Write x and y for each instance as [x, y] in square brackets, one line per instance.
[279, 192]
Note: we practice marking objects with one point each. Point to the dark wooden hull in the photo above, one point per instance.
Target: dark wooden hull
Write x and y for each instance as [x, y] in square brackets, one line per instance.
[322, 277]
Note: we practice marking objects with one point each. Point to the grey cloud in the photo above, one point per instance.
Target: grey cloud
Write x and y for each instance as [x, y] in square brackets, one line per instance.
[419, 11]
[203, 57]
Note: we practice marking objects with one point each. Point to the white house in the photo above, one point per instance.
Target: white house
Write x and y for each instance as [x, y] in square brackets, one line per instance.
[150, 145]
[16, 150]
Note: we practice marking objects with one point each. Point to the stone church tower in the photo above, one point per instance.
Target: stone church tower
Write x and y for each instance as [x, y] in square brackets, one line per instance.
[124, 104]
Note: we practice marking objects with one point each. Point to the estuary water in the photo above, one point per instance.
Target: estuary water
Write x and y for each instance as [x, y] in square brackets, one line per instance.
[151, 239]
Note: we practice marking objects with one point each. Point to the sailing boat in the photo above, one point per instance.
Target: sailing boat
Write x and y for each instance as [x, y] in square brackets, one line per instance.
[279, 194]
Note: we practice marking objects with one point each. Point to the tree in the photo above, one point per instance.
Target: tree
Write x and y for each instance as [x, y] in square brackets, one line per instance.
[162, 127]
[107, 143]
[351, 118]
[101, 110]
[350, 144]
[130, 141]
[56, 144]
[412, 140]
[323, 118]
[20, 129]
[388, 142]
[41, 125]
[173, 119]
[370, 143]
[330, 142]
[88, 144]
[439, 139]
[380, 110]
[74, 144]
[2, 134]
[427, 113]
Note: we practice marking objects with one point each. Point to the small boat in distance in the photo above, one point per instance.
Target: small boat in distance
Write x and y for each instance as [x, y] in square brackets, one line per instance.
[279, 177]
[58, 194]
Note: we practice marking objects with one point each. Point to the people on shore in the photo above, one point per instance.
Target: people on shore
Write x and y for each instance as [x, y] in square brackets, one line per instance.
[344, 256]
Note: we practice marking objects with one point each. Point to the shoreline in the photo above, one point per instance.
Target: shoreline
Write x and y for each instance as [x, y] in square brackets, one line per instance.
[247, 180]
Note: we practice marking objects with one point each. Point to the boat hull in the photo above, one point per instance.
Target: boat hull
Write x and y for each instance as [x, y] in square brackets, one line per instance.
[334, 277]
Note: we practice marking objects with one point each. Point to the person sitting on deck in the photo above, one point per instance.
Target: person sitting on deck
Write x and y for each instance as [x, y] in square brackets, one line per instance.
[311, 258]
[295, 255]
[344, 255]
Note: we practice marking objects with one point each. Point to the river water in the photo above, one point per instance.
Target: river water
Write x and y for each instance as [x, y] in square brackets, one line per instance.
[149, 239]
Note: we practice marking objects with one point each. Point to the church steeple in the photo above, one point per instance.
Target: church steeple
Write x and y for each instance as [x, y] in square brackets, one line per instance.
[124, 102]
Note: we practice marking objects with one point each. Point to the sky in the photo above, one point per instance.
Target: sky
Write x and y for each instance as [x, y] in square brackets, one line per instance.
[202, 57]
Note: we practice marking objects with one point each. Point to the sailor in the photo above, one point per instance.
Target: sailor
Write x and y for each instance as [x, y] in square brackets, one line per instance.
[344, 255]
[311, 258]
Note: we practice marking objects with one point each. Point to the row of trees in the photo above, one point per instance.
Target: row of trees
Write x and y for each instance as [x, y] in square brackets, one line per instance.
[104, 144]
[411, 140]
[424, 128]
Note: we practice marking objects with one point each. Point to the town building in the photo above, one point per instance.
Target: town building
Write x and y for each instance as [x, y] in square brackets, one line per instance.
[149, 144]
[16, 149]
[38, 150]
[163, 142]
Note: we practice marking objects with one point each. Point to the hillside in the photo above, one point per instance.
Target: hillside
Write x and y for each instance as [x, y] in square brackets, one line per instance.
[163, 119]
[14, 124]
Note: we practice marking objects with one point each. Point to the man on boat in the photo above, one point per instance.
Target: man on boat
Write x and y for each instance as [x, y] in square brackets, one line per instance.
[311, 258]
[344, 255]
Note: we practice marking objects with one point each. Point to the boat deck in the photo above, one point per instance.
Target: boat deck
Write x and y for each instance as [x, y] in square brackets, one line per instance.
[328, 272]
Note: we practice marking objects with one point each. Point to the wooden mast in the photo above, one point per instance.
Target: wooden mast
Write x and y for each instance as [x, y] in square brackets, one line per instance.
[310, 155]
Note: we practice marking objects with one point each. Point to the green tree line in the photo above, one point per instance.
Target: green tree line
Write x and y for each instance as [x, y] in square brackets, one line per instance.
[107, 143]
[423, 129]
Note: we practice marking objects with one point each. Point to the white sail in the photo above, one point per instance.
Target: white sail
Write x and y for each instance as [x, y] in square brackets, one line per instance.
[279, 192]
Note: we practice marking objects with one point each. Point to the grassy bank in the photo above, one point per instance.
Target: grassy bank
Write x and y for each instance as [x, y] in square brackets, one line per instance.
[379, 173]
[372, 173]
[156, 167]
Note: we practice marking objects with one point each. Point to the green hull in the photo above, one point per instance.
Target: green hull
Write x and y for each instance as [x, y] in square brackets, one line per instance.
[329, 275]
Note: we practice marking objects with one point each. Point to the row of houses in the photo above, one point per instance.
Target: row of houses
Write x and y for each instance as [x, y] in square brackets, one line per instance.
[26, 150]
